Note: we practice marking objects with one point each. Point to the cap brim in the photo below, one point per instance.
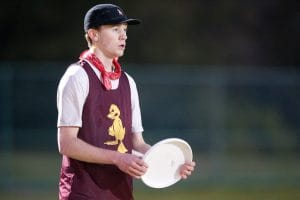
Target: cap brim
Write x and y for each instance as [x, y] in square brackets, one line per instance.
[133, 21]
[117, 21]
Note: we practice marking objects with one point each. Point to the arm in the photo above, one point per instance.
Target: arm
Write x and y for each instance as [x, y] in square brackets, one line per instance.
[139, 144]
[70, 145]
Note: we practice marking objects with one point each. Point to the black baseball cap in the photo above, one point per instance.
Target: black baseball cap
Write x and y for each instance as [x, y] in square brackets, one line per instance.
[106, 14]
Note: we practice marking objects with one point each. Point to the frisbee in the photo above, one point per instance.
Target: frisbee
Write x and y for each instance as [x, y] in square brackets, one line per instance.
[164, 160]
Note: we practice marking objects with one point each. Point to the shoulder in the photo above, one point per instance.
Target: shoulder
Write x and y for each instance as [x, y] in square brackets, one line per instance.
[74, 72]
[130, 79]
[74, 78]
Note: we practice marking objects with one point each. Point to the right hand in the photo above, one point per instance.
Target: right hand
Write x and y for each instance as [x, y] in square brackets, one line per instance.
[131, 164]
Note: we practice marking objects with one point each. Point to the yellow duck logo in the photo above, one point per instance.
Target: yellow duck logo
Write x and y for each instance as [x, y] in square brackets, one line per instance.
[116, 129]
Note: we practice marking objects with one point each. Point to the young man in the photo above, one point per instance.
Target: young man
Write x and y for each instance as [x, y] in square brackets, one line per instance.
[99, 119]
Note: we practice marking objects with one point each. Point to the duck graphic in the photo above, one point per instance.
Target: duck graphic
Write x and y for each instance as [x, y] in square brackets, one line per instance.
[116, 129]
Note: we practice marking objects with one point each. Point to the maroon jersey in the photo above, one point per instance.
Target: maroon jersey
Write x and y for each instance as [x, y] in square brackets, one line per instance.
[106, 123]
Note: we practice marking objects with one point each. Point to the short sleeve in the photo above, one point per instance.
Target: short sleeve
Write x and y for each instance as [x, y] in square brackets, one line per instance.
[137, 126]
[71, 94]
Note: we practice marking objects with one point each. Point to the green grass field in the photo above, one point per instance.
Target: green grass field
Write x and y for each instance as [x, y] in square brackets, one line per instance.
[33, 176]
[218, 193]
[215, 193]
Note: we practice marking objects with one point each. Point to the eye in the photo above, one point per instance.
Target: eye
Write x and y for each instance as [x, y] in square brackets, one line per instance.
[116, 29]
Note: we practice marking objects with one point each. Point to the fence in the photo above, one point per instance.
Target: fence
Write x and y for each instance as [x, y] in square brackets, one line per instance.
[215, 109]
[221, 112]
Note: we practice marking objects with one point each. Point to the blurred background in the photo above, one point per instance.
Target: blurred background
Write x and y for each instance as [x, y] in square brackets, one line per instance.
[223, 75]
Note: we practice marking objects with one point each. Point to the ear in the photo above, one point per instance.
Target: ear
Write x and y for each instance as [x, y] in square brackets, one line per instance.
[93, 34]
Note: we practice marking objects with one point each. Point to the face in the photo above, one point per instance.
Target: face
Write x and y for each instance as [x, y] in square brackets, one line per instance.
[111, 40]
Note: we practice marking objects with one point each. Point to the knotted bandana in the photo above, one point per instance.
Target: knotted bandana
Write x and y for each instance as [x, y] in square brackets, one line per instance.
[106, 76]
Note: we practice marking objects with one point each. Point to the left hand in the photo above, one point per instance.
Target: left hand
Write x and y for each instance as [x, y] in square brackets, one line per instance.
[187, 169]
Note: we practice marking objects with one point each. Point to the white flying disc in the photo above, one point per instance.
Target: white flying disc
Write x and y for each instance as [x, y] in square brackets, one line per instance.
[164, 160]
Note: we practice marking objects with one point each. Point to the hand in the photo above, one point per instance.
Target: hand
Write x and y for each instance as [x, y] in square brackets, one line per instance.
[132, 165]
[187, 169]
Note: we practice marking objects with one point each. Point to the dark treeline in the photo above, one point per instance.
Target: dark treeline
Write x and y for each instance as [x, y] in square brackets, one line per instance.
[192, 32]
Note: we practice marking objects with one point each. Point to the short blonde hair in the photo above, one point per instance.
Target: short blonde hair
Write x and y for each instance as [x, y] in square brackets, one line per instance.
[88, 39]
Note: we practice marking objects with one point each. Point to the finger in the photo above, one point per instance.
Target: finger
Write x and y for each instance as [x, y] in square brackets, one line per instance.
[140, 162]
[192, 164]
[135, 172]
[185, 167]
[133, 175]
[188, 173]
[185, 174]
[190, 168]
[132, 172]
[138, 167]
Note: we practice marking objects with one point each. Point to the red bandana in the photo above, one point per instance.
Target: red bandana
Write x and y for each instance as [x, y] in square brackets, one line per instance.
[106, 76]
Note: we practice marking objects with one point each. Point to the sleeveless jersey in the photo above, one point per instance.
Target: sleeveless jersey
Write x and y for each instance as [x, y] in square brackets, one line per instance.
[106, 123]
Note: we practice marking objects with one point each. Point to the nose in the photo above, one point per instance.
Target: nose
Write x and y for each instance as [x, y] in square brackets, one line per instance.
[123, 35]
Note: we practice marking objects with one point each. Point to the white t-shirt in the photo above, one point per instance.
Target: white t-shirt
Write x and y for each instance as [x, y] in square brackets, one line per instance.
[73, 90]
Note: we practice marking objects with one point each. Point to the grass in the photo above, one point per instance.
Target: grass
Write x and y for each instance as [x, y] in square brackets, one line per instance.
[33, 176]
[221, 193]
[211, 193]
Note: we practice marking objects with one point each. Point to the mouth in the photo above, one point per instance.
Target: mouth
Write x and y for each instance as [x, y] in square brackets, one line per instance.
[122, 46]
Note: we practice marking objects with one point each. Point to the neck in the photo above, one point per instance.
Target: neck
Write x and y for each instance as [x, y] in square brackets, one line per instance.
[107, 62]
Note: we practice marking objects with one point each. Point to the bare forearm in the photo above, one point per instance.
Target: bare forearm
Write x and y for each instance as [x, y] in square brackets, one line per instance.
[143, 148]
[139, 144]
[75, 148]
[78, 149]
